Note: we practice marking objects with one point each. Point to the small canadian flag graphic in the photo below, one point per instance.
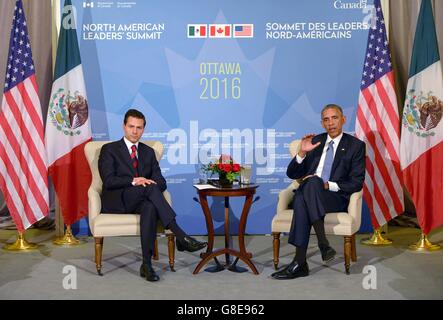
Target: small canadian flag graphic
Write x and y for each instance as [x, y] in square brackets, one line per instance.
[220, 31]
[88, 4]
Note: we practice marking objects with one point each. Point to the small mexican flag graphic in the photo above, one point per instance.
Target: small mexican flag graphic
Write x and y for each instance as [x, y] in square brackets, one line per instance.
[197, 31]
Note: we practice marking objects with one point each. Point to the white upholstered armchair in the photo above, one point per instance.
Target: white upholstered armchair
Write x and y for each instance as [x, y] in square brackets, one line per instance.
[111, 225]
[344, 224]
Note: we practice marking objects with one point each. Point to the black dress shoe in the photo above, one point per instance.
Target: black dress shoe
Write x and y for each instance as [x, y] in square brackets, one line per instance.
[292, 271]
[190, 244]
[327, 254]
[146, 271]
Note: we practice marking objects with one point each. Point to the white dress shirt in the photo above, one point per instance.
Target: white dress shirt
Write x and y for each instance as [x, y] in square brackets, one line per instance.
[333, 186]
[129, 145]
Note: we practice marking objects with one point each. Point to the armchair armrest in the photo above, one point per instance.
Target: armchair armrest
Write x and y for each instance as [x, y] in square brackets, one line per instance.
[285, 196]
[355, 206]
[94, 204]
[167, 196]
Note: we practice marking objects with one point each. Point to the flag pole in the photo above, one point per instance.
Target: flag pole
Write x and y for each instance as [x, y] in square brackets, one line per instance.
[20, 244]
[376, 239]
[424, 244]
[68, 239]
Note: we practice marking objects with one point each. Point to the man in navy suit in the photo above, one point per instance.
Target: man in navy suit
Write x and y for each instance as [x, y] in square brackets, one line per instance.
[332, 167]
[133, 182]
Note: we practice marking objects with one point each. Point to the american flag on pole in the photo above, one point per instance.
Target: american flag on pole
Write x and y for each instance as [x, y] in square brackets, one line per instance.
[378, 125]
[23, 167]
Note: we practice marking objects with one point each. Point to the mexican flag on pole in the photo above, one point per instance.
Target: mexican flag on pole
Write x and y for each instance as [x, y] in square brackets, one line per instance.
[68, 128]
[421, 150]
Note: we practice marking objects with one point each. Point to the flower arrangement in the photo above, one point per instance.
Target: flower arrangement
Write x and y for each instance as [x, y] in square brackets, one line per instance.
[226, 168]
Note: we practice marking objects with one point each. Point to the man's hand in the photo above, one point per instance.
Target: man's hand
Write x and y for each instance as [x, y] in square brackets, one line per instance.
[326, 185]
[306, 145]
[140, 181]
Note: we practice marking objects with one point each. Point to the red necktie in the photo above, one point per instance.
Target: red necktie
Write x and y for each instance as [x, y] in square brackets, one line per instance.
[134, 159]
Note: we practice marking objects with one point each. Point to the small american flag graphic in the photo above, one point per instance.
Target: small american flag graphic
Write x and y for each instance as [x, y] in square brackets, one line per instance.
[243, 30]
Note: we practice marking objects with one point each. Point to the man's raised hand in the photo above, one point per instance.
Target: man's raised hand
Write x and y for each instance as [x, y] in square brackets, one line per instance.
[306, 145]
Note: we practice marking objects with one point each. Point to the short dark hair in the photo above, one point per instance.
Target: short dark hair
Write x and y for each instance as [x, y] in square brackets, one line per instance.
[332, 106]
[135, 114]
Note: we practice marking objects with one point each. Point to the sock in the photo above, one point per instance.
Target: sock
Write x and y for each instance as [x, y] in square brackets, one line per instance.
[319, 227]
[179, 233]
[300, 255]
[147, 259]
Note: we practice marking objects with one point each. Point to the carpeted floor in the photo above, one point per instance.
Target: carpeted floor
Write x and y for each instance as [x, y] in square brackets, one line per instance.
[394, 271]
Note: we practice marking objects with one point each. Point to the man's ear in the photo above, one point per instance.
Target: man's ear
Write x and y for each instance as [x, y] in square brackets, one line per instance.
[322, 124]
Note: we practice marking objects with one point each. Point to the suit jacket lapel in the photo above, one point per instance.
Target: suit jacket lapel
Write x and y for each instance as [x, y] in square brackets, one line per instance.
[140, 153]
[342, 148]
[126, 156]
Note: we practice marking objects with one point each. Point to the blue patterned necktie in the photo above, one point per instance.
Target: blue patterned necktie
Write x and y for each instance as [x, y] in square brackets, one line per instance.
[327, 166]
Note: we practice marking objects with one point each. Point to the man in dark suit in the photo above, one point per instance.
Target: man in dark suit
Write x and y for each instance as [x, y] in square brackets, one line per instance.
[332, 167]
[132, 182]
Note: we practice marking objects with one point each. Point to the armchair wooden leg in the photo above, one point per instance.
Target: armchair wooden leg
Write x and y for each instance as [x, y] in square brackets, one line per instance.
[347, 251]
[171, 251]
[276, 246]
[155, 257]
[353, 249]
[98, 254]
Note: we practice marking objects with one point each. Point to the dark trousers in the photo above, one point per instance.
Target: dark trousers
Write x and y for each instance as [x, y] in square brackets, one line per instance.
[150, 203]
[311, 203]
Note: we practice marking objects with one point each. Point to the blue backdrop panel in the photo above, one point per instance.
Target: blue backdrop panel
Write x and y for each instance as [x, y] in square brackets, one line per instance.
[248, 96]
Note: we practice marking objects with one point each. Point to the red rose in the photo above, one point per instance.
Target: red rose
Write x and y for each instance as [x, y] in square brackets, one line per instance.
[227, 167]
[220, 166]
[236, 167]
